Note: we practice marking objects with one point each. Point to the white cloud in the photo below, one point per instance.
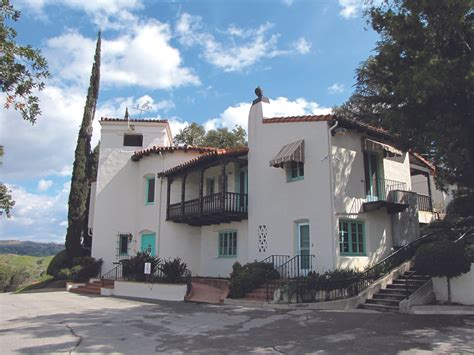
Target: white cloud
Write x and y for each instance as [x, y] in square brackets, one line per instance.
[354, 8]
[288, 2]
[240, 50]
[35, 216]
[281, 106]
[106, 14]
[302, 46]
[142, 57]
[336, 88]
[44, 185]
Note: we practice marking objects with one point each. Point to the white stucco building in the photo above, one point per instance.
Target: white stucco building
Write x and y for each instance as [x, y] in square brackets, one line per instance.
[325, 191]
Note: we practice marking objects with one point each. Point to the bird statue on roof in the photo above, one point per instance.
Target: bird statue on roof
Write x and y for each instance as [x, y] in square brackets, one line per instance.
[259, 91]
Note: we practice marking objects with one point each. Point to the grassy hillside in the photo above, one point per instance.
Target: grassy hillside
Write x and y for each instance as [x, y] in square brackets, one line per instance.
[29, 248]
[19, 270]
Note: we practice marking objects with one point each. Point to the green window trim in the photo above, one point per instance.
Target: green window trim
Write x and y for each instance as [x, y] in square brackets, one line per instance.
[150, 199]
[227, 244]
[294, 171]
[352, 238]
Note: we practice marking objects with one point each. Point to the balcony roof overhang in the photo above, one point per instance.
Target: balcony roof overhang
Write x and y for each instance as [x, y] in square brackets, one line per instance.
[392, 207]
[207, 160]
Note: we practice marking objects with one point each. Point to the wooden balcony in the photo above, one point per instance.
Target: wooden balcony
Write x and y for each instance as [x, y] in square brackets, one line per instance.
[221, 207]
[390, 194]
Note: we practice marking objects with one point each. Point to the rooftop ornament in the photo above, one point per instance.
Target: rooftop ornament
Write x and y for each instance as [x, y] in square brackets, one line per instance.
[260, 97]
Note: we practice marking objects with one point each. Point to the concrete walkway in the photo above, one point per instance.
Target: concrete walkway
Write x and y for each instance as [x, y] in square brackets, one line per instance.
[65, 322]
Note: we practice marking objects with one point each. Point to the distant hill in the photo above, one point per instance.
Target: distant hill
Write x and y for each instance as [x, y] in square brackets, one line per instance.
[19, 247]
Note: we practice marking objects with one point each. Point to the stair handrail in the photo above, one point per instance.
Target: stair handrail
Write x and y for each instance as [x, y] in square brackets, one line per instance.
[112, 275]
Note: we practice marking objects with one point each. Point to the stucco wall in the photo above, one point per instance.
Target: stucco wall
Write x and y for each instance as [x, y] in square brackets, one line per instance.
[279, 204]
[462, 288]
[211, 263]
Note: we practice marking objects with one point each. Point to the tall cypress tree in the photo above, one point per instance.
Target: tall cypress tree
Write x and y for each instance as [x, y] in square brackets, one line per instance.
[78, 196]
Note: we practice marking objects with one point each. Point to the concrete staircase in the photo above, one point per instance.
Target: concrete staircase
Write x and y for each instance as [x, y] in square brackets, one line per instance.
[208, 290]
[90, 288]
[389, 298]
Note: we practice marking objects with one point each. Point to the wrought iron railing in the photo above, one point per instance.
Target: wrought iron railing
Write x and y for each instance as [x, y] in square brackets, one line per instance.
[385, 190]
[424, 203]
[111, 276]
[276, 260]
[314, 288]
[219, 202]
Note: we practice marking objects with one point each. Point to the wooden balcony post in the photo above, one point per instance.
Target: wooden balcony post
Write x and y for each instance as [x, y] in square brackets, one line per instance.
[429, 191]
[183, 192]
[168, 196]
[223, 186]
[201, 191]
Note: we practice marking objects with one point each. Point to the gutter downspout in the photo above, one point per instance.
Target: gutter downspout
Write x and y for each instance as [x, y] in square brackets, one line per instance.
[333, 192]
[160, 202]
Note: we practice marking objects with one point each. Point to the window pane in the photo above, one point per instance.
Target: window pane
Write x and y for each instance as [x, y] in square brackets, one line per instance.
[133, 140]
[151, 190]
[123, 244]
[301, 165]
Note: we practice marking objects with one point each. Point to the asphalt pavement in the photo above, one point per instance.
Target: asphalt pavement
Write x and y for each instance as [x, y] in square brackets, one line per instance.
[58, 321]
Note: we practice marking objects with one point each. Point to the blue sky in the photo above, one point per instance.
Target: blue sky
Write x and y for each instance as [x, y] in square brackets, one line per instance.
[187, 61]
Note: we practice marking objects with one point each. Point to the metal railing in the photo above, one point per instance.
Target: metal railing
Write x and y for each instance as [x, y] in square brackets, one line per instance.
[424, 203]
[276, 260]
[112, 275]
[384, 190]
[232, 202]
[314, 288]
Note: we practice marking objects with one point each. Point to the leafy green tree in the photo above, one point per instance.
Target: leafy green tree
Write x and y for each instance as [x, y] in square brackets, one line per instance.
[191, 135]
[442, 259]
[6, 200]
[419, 84]
[78, 196]
[223, 138]
[23, 69]
[196, 135]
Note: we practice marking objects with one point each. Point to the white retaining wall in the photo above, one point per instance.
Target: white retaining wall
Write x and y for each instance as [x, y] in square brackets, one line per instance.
[462, 288]
[155, 291]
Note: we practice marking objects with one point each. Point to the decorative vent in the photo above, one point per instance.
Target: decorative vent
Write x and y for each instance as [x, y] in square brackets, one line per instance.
[262, 238]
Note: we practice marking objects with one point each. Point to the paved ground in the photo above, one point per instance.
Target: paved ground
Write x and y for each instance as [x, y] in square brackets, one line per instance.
[64, 322]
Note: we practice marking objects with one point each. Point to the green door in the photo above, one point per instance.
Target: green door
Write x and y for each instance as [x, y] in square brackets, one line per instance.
[373, 182]
[148, 244]
[304, 247]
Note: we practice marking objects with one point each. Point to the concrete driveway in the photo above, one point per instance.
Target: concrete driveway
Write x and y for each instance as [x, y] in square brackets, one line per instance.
[64, 322]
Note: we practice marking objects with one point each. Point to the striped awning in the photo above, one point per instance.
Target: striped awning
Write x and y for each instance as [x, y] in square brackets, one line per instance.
[374, 146]
[290, 152]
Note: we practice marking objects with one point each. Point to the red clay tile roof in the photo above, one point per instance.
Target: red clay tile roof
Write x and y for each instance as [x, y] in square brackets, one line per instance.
[169, 149]
[113, 119]
[424, 161]
[212, 155]
[343, 122]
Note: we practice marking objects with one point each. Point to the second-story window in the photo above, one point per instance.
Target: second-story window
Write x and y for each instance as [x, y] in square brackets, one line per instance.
[150, 190]
[210, 186]
[132, 140]
[294, 170]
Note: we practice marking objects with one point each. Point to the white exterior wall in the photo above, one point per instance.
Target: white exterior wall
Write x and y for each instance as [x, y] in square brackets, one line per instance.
[350, 194]
[462, 288]
[90, 220]
[279, 204]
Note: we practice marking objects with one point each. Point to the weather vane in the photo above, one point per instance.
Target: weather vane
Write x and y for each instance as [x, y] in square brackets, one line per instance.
[146, 107]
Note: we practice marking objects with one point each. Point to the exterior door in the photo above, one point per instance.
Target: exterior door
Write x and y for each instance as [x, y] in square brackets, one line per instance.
[243, 189]
[304, 248]
[148, 244]
[372, 177]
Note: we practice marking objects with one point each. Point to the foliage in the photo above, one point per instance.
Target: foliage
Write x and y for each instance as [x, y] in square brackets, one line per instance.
[173, 271]
[29, 248]
[191, 135]
[245, 278]
[81, 172]
[22, 68]
[63, 274]
[442, 259]
[470, 252]
[195, 135]
[60, 261]
[6, 201]
[12, 277]
[461, 206]
[84, 268]
[133, 268]
[419, 82]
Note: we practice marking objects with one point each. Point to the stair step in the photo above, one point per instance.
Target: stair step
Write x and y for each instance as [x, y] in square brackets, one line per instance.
[379, 307]
[388, 296]
[85, 290]
[387, 302]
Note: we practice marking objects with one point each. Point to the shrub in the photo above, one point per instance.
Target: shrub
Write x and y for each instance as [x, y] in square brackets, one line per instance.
[442, 259]
[461, 206]
[470, 252]
[60, 261]
[173, 271]
[63, 274]
[134, 268]
[11, 277]
[244, 279]
[84, 268]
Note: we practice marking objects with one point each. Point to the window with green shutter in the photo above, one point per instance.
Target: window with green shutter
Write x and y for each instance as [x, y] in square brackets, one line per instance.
[294, 171]
[150, 190]
[351, 238]
[227, 244]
